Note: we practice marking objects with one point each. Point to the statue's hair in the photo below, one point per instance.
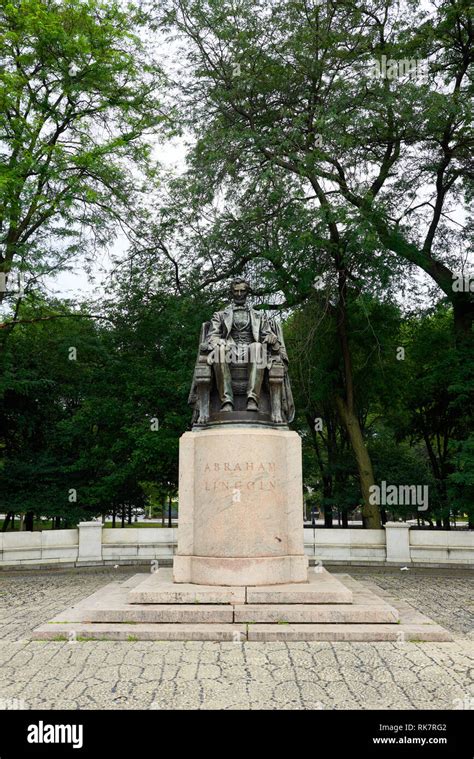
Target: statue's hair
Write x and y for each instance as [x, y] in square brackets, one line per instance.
[238, 281]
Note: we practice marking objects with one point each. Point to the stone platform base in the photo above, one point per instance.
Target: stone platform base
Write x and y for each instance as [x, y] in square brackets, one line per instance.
[329, 608]
[202, 570]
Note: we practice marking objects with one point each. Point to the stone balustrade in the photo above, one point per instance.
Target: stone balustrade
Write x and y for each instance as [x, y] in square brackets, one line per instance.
[92, 544]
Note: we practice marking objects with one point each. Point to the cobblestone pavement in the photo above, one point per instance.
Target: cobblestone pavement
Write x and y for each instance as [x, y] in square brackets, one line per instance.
[206, 675]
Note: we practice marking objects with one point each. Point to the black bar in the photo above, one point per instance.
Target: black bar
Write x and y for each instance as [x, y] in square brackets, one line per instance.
[133, 734]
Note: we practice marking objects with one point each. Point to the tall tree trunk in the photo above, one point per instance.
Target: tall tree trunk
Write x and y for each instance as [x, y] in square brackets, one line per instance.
[130, 514]
[370, 511]
[114, 515]
[170, 523]
[123, 515]
[346, 409]
[7, 521]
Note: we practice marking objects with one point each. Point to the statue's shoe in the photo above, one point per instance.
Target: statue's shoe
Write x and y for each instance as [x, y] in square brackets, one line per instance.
[227, 407]
[252, 405]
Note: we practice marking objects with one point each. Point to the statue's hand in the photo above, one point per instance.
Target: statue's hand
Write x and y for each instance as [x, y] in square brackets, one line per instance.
[270, 339]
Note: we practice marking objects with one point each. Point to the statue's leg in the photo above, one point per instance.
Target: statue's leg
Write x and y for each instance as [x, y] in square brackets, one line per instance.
[223, 378]
[256, 374]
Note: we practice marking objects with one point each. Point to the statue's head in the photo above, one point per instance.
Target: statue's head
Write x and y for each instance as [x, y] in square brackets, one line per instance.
[239, 289]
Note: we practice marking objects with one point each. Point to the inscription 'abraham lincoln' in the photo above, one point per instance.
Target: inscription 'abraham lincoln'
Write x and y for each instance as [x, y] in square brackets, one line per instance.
[246, 467]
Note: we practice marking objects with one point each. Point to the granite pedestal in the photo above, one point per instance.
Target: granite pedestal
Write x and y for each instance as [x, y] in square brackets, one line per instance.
[240, 508]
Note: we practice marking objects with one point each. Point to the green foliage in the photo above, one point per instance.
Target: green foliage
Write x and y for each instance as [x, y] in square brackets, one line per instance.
[78, 101]
[461, 480]
[415, 407]
[88, 425]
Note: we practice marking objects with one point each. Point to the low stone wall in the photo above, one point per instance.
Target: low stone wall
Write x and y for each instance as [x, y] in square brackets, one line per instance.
[48, 547]
[120, 543]
[346, 545]
[90, 544]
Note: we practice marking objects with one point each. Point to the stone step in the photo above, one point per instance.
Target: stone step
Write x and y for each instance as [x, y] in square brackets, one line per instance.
[158, 588]
[81, 631]
[347, 632]
[321, 588]
[113, 612]
[110, 605]
[75, 633]
[162, 614]
[316, 613]
[108, 615]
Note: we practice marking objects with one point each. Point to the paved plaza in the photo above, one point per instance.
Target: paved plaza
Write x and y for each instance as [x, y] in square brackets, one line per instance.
[208, 675]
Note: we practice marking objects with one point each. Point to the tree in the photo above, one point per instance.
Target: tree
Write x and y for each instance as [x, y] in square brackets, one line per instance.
[48, 368]
[319, 373]
[78, 104]
[91, 412]
[290, 86]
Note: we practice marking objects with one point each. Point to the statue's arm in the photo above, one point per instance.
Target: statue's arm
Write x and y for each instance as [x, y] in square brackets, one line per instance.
[215, 332]
[281, 341]
[267, 334]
